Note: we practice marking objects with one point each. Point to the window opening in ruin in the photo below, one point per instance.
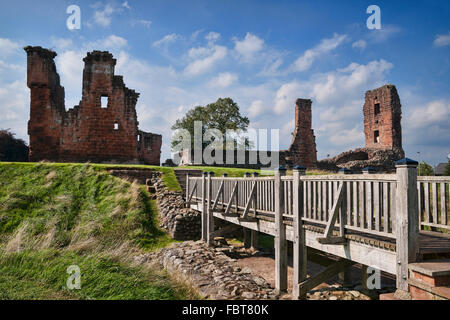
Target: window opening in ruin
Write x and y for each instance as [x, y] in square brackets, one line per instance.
[376, 136]
[377, 108]
[139, 138]
[104, 101]
[116, 126]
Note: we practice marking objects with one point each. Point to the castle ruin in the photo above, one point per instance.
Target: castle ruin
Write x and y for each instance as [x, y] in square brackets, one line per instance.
[383, 134]
[102, 128]
[303, 146]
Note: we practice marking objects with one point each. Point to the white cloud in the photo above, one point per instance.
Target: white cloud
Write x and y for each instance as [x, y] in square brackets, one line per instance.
[103, 17]
[205, 64]
[360, 44]
[286, 96]
[224, 80]
[212, 37]
[347, 137]
[142, 22]
[195, 34]
[353, 79]
[249, 46]
[381, 35]
[126, 5]
[257, 108]
[305, 61]
[442, 40]
[434, 112]
[8, 47]
[62, 43]
[170, 38]
[69, 65]
[112, 42]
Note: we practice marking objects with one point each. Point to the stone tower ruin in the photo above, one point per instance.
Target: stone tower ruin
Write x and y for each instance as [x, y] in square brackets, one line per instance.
[102, 128]
[383, 135]
[382, 118]
[303, 146]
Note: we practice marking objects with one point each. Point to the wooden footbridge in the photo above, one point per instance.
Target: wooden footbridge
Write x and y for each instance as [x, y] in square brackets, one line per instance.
[375, 220]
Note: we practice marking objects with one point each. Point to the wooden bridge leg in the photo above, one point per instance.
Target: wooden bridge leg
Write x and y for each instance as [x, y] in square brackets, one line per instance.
[344, 278]
[281, 274]
[247, 238]
[299, 252]
[364, 277]
[210, 215]
[407, 220]
[204, 213]
[254, 240]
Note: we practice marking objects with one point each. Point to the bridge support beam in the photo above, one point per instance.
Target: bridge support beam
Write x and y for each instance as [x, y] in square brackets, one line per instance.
[281, 256]
[299, 252]
[209, 213]
[204, 204]
[407, 220]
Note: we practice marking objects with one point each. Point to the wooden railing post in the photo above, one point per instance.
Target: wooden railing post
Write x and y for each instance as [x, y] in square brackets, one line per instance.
[210, 214]
[223, 193]
[253, 233]
[187, 191]
[300, 253]
[204, 213]
[246, 231]
[407, 222]
[281, 274]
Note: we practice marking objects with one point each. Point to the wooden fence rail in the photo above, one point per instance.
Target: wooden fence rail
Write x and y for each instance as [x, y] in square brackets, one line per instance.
[434, 206]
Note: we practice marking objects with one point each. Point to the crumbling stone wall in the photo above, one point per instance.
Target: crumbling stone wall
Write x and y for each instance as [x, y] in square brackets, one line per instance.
[382, 160]
[90, 131]
[382, 118]
[303, 146]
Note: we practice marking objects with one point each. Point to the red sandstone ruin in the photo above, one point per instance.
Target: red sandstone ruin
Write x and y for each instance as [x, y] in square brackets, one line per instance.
[303, 146]
[92, 131]
[383, 134]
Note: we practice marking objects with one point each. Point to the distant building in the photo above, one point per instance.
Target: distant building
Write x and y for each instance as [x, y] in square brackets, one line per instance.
[440, 169]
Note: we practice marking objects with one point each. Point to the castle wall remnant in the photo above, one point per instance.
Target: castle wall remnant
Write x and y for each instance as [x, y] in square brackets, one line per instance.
[382, 118]
[303, 146]
[102, 128]
[383, 134]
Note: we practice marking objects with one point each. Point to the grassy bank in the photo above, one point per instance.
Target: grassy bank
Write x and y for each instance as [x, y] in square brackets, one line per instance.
[56, 215]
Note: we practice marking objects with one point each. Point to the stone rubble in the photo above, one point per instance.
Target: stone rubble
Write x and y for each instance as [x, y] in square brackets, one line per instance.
[214, 274]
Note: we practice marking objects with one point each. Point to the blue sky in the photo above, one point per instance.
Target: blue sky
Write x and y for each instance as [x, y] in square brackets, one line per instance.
[263, 54]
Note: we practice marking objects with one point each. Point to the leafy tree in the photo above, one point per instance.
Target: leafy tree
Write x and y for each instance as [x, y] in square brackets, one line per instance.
[11, 148]
[425, 169]
[224, 114]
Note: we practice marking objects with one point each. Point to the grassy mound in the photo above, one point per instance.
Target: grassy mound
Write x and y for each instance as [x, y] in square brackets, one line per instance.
[56, 215]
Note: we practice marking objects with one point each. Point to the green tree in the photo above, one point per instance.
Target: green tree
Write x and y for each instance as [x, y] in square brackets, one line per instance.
[224, 114]
[425, 169]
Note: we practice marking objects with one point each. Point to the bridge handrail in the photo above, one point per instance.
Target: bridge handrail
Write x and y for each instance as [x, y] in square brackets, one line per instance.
[434, 202]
